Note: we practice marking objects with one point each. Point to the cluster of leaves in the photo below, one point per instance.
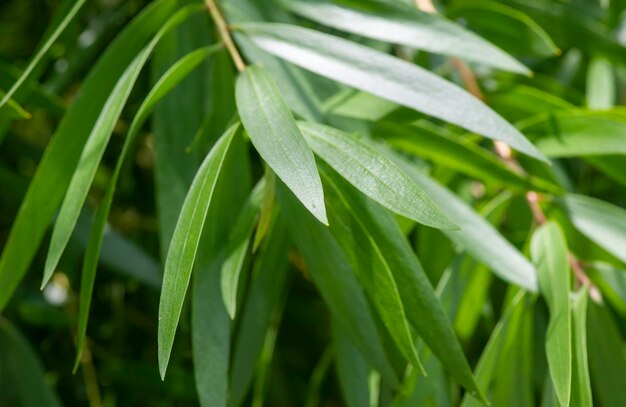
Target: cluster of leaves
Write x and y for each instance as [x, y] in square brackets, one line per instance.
[347, 223]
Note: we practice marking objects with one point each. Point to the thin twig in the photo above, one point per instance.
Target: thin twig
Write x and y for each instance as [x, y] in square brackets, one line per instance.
[224, 32]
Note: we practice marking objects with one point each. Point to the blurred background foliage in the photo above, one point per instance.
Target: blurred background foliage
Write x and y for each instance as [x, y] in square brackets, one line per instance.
[576, 51]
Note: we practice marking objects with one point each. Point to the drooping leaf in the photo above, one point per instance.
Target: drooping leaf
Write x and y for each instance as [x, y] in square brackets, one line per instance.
[262, 307]
[373, 174]
[600, 84]
[275, 135]
[336, 282]
[600, 221]
[167, 82]
[405, 25]
[210, 335]
[476, 236]
[55, 170]
[95, 146]
[352, 370]
[506, 26]
[67, 12]
[22, 375]
[429, 141]
[579, 133]
[502, 343]
[184, 244]
[549, 252]
[371, 268]
[384, 248]
[581, 386]
[238, 244]
[385, 76]
[607, 358]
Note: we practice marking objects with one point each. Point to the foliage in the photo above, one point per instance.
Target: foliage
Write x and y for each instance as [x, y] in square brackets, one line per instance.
[302, 202]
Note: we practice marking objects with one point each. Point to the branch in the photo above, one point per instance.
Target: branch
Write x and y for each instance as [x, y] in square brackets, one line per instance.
[503, 151]
[224, 32]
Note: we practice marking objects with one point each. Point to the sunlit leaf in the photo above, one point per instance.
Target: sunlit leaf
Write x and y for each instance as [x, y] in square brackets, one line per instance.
[600, 221]
[184, 244]
[275, 135]
[385, 76]
[408, 26]
[373, 174]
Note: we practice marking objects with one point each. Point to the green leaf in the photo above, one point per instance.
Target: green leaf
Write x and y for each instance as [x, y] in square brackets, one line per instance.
[579, 133]
[167, 82]
[581, 386]
[261, 310]
[211, 330]
[13, 110]
[238, 247]
[95, 146]
[429, 141]
[88, 164]
[373, 174]
[506, 26]
[371, 267]
[600, 221]
[22, 371]
[275, 135]
[352, 370]
[600, 84]
[607, 359]
[385, 76]
[477, 236]
[53, 175]
[374, 243]
[51, 35]
[184, 244]
[405, 25]
[549, 253]
[503, 342]
[330, 271]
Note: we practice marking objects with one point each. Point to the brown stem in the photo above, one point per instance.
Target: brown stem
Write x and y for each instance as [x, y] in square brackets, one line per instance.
[224, 32]
[503, 151]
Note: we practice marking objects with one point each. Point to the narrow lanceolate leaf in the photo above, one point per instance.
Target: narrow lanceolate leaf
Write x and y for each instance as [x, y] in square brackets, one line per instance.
[53, 175]
[385, 76]
[275, 135]
[331, 272]
[211, 330]
[96, 144]
[549, 252]
[600, 84]
[607, 357]
[405, 25]
[581, 386]
[184, 244]
[88, 164]
[52, 33]
[372, 269]
[477, 236]
[238, 247]
[261, 310]
[352, 370]
[23, 370]
[502, 338]
[432, 142]
[600, 221]
[580, 133]
[168, 81]
[374, 243]
[373, 174]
